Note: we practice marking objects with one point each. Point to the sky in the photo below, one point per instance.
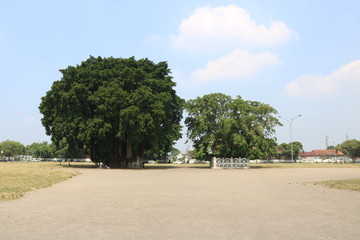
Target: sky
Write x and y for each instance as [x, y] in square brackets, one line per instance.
[300, 57]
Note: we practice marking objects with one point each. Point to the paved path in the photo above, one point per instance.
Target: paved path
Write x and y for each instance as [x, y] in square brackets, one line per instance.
[187, 204]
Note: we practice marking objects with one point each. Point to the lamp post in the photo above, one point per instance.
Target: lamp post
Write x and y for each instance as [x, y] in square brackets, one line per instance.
[290, 123]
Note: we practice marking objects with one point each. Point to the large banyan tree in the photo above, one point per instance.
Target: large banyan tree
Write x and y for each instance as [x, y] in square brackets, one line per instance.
[116, 109]
[221, 126]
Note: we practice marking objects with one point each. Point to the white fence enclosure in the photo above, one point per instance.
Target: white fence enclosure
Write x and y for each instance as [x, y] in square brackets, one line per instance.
[229, 163]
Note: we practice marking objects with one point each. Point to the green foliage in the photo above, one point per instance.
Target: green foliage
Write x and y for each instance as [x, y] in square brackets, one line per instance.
[10, 148]
[45, 150]
[221, 126]
[114, 109]
[39, 150]
[284, 150]
[173, 153]
[350, 148]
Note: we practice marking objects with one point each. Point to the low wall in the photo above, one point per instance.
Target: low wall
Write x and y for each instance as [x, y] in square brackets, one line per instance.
[229, 163]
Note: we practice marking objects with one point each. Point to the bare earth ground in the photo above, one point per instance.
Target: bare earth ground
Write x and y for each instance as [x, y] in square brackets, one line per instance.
[187, 204]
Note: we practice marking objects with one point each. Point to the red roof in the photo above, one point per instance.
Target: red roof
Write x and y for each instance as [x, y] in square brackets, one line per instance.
[316, 153]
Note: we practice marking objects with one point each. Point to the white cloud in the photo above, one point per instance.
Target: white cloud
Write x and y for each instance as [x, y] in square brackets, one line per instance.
[342, 81]
[236, 65]
[227, 27]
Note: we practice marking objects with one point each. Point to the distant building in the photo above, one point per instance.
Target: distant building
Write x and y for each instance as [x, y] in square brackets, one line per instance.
[322, 154]
[179, 157]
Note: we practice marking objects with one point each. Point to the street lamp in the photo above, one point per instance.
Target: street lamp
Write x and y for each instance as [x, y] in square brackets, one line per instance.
[290, 123]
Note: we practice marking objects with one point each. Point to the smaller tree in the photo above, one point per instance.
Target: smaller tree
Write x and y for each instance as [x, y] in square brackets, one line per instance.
[10, 148]
[46, 150]
[173, 154]
[297, 148]
[350, 148]
[219, 125]
[39, 150]
[284, 150]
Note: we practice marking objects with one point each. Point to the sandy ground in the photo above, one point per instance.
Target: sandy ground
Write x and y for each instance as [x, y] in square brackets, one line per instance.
[187, 204]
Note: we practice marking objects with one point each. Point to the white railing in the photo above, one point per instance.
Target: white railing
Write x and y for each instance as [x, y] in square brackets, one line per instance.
[230, 163]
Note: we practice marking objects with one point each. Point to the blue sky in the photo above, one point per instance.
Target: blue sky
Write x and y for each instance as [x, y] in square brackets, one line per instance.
[300, 57]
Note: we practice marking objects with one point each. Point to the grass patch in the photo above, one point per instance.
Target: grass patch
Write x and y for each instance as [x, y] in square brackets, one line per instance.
[17, 178]
[305, 165]
[347, 184]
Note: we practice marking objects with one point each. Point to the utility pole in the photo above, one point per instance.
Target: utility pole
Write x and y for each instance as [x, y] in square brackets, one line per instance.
[327, 142]
[290, 123]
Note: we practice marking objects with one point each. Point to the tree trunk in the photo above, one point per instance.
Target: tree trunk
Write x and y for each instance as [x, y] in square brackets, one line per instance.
[94, 153]
[115, 155]
[122, 150]
[129, 153]
[119, 150]
[140, 154]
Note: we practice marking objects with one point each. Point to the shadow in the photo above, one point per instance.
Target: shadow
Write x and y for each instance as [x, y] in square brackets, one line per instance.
[257, 167]
[146, 166]
[77, 165]
[176, 166]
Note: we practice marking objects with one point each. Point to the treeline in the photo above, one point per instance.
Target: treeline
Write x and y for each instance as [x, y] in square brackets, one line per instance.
[41, 150]
[351, 148]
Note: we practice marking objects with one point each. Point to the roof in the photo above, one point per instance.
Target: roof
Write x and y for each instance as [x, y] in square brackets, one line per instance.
[315, 153]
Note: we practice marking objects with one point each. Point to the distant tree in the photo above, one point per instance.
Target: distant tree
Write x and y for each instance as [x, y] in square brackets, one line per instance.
[46, 150]
[174, 152]
[39, 150]
[117, 110]
[60, 150]
[221, 126]
[10, 148]
[350, 148]
[190, 153]
[297, 148]
[284, 150]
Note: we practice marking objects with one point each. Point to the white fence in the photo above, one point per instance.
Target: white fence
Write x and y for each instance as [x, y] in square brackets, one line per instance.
[230, 163]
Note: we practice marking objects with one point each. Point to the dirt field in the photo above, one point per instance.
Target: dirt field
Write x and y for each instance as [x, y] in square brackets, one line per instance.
[187, 204]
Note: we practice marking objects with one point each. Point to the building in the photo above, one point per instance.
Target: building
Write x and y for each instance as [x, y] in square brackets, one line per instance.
[323, 154]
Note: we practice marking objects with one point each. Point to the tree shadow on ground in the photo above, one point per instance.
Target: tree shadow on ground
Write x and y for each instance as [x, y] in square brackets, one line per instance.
[146, 166]
[77, 165]
[177, 166]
